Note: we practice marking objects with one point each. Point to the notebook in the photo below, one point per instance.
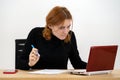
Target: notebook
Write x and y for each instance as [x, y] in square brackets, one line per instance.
[101, 60]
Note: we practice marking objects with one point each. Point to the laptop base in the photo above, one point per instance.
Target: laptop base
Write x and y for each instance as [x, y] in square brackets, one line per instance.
[83, 72]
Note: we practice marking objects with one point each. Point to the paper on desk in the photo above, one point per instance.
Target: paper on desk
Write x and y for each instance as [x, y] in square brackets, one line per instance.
[48, 71]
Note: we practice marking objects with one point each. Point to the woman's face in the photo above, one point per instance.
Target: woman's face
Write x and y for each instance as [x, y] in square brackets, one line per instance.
[61, 31]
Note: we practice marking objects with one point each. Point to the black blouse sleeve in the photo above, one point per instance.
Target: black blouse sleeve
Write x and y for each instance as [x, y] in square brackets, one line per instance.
[25, 56]
[75, 59]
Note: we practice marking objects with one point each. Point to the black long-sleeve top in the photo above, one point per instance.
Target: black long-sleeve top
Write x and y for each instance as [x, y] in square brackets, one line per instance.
[54, 53]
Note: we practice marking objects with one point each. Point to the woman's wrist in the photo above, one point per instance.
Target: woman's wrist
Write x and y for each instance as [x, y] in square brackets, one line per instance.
[30, 64]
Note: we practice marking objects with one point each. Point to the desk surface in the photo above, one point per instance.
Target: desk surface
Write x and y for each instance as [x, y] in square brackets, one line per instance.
[24, 75]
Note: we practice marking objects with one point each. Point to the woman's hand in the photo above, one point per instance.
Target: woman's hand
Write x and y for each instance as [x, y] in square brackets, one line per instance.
[33, 57]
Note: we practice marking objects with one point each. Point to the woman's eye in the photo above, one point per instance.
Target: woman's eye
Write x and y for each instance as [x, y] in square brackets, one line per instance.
[68, 27]
[62, 28]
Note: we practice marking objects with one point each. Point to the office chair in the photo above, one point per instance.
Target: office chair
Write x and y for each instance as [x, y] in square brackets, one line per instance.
[19, 46]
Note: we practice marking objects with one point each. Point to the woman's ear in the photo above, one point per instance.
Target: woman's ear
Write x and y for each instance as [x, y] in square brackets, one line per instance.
[50, 26]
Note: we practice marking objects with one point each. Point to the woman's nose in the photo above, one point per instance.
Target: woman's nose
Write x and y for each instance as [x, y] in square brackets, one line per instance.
[66, 30]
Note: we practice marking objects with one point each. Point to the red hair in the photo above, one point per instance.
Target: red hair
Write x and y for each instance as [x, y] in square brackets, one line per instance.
[56, 16]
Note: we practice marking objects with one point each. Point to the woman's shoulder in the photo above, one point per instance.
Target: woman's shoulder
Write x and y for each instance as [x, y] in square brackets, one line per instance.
[72, 33]
[37, 29]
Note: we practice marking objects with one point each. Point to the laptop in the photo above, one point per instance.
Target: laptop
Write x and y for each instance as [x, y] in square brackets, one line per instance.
[101, 60]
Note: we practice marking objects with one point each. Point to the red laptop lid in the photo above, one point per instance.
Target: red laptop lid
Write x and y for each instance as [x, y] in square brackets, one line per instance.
[102, 58]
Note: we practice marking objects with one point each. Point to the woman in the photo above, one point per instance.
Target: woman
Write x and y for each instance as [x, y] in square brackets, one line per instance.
[53, 44]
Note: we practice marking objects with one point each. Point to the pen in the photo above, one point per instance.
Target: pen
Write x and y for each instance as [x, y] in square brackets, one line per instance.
[34, 47]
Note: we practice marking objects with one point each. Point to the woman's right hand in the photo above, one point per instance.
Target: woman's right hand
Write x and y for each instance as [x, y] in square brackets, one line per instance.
[33, 57]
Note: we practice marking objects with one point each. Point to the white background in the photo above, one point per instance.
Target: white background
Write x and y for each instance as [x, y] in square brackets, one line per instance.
[96, 22]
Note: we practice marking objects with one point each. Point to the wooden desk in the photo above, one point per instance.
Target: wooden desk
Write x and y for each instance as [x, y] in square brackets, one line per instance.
[24, 75]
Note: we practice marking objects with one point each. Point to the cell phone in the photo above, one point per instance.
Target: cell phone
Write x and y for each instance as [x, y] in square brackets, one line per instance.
[10, 71]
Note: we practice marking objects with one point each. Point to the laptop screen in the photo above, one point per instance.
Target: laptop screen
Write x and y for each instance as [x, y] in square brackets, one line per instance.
[102, 58]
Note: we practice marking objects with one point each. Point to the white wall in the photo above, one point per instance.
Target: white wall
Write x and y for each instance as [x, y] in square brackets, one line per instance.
[96, 22]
